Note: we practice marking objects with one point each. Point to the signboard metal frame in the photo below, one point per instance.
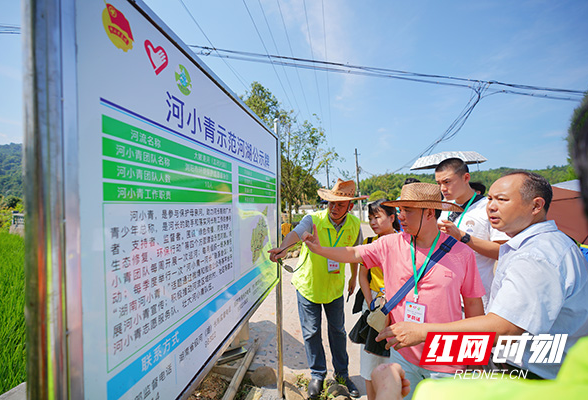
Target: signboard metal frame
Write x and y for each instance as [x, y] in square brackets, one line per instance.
[53, 234]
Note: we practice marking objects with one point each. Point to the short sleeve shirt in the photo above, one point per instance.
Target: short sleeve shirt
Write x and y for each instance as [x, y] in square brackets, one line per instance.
[541, 286]
[455, 275]
[475, 222]
[305, 225]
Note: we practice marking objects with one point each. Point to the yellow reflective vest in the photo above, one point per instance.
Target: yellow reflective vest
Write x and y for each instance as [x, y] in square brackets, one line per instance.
[312, 279]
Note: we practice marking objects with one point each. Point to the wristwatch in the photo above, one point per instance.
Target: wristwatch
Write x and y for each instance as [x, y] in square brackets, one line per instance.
[465, 238]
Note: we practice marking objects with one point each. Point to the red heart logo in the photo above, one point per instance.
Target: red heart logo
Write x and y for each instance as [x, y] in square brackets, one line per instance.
[157, 56]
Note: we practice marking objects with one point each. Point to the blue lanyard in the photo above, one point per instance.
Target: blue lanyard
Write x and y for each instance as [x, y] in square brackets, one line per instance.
[413, 259]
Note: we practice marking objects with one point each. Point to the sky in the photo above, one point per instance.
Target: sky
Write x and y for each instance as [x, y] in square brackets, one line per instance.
[389, 121]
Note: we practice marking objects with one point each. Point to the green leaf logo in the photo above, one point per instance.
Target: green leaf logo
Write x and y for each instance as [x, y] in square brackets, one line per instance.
[183, 80]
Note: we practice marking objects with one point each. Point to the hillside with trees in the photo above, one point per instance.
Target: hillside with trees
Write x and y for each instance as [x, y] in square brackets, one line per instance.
[11, 170]
[389, 185]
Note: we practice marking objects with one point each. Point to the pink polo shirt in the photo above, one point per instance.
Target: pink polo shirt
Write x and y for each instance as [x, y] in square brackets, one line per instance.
[454, 275]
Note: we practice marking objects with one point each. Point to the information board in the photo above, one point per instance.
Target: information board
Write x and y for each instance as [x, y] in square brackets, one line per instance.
[178, 206]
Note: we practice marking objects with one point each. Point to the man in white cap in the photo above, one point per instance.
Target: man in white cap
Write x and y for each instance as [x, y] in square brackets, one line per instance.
[437, 295]
[319, 283]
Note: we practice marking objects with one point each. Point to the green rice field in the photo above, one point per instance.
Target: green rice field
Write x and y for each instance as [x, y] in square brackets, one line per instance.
[12, 322]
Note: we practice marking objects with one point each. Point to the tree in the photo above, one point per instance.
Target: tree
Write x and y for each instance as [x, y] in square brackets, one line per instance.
[578, 121]
[11, 169]
[302, 147]
[263, 103]
[302, 157]
[377, 195]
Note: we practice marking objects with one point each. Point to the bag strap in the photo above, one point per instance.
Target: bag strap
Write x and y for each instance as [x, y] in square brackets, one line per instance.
[370, 240]
[443, 249]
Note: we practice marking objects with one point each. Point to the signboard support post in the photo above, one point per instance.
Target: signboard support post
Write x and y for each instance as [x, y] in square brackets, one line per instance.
[279, 320]
[45, 311]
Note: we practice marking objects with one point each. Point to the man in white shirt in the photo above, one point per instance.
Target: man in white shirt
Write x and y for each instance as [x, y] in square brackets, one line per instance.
[541, 284]
[472, 226]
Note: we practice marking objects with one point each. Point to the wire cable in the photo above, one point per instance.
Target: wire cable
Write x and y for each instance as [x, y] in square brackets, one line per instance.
[297, 62]
[292, 54]
[9, 29]
[329, 136]
[267, 52]
[312, 57]
[239, 78]
[277, 51]
[455, 126]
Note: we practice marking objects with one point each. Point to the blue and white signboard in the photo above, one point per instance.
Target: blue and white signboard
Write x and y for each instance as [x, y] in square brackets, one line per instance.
[178, 206]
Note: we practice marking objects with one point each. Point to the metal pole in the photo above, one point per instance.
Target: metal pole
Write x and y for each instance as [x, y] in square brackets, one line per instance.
[279, 316]
[328, 182]
[45, 307]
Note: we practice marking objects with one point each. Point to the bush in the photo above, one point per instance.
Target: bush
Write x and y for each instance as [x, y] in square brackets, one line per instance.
[10, 202]
[8, 205]
[12, 321]
[377, 195]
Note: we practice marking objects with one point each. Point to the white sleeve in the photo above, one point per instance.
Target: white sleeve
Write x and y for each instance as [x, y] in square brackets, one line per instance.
[529, 293]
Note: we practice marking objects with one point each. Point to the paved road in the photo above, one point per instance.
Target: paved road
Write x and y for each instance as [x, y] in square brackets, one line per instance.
[262, 325]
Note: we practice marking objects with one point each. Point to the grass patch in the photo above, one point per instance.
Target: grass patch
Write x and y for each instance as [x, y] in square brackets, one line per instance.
[12, 322]
[244, 389]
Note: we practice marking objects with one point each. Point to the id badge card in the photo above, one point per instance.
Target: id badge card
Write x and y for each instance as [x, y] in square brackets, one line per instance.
[333, 266]
[414, 312]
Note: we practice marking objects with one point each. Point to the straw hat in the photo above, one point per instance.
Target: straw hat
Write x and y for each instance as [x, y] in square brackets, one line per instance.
[422, 195]
[342, 191]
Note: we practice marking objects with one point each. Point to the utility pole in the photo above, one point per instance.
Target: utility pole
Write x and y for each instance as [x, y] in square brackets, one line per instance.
[357, 177]
[328, 182]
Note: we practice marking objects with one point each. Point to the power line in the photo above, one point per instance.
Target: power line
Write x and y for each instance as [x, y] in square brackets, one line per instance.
[446, 80]
[298, 62]
[327, 74]
[455, 126]
[239, 78]
[8, 29]
[277, 51]
[292, 54]
[479, 88]
[318, 92]
[267, 52]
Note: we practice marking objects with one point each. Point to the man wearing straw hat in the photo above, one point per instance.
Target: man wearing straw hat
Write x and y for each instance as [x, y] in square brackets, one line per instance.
[541, 284]
[319, 283]
[436, 296]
